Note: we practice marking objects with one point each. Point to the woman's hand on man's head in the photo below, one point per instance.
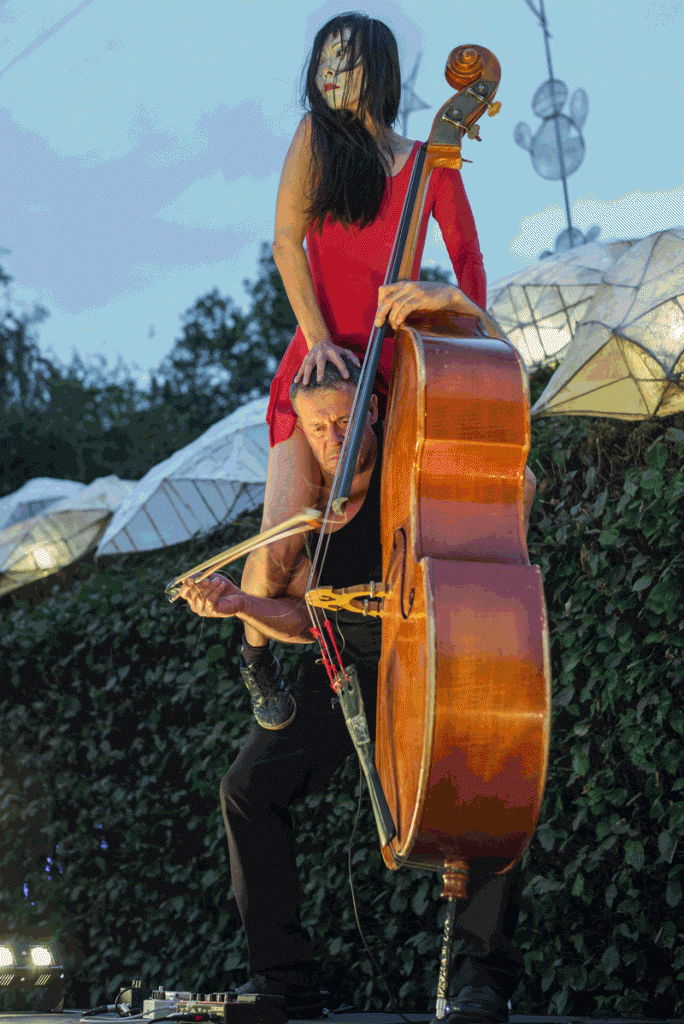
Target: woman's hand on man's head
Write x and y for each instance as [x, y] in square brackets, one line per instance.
[320, 354]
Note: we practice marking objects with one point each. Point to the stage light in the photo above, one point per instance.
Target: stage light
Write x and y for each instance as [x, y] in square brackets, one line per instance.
[29, 965]
[6, 956]
[41, 956]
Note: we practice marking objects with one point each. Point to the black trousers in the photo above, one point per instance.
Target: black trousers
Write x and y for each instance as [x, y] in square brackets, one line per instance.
[276, 768]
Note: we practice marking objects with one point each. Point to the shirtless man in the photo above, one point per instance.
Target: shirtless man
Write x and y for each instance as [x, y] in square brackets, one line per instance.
[293, 751]
[281, 602]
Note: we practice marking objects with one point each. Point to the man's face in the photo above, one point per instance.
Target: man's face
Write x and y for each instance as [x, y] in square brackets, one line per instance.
[324, 417]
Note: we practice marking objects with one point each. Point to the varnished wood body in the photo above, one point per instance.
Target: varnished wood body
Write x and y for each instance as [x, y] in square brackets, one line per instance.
[463, 720]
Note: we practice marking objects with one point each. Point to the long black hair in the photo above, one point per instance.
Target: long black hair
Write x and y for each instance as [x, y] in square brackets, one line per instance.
[349, 168]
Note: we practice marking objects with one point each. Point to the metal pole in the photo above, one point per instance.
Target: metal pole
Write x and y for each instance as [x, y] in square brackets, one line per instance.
[558, 138]
[445, 961]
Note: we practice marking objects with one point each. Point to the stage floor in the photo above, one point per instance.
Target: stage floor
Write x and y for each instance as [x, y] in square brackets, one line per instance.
[349, 1018]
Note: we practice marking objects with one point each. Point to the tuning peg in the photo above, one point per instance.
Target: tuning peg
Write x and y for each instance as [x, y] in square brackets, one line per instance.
[477, 92]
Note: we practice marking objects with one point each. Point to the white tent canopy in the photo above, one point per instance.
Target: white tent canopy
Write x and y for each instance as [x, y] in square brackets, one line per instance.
[34, 497]
[539, 307]
[41, 545]
[212, 480]
[627, 357]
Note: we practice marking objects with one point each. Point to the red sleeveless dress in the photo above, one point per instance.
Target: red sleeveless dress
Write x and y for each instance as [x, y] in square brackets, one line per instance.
[348, 265]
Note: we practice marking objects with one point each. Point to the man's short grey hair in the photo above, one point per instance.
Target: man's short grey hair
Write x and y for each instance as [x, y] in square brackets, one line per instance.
[332, 379]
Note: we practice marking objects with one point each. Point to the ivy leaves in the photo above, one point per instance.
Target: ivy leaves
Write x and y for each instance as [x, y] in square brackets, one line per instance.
[121, 713]
[607, 532]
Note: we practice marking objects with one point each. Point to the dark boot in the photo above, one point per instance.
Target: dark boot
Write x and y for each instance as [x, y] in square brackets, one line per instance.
[478, 1005]
[273, 706]
[297, 986]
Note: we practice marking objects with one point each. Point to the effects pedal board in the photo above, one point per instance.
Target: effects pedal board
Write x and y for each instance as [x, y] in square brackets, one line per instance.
[220, 1008]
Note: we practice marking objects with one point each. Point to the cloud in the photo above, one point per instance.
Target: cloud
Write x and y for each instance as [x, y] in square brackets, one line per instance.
[78, 229]
[214, 204]
[633, 215]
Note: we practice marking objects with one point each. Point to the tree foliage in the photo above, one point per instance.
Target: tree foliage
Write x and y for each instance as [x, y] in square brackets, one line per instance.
[80, 422]
[25, 375]
[604, 926]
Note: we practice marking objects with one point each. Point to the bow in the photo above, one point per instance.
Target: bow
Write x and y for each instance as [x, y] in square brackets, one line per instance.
[308, 519]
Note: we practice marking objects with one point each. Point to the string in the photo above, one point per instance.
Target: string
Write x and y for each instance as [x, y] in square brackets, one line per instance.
[317, 615]
[368, 368]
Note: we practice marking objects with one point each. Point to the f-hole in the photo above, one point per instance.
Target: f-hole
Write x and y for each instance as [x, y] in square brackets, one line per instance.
[399, 549]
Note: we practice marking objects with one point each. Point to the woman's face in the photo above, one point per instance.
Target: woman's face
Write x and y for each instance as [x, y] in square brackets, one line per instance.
[339, 84]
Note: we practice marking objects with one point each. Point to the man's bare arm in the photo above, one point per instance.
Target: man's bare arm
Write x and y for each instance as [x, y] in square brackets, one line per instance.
[285, 618]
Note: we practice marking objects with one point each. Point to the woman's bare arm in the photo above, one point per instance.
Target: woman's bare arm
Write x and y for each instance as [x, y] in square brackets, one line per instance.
[291, 225]
[398, 301]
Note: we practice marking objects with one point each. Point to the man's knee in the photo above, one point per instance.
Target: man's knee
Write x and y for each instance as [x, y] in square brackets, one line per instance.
[232, 791]
[243, 789]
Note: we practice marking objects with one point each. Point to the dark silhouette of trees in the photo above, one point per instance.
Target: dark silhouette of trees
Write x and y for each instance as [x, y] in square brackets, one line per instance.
[80, 421]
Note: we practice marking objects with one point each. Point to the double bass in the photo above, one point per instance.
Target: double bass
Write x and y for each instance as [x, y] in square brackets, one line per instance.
[464, 709]
[464, 683]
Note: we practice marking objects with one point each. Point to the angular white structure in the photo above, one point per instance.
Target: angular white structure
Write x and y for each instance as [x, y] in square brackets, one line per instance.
[34, 497]
[540, 306]
[209, 482]
[65, 531]
[626, 359]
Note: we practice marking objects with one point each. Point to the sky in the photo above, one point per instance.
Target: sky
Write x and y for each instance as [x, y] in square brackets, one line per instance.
[142, 143]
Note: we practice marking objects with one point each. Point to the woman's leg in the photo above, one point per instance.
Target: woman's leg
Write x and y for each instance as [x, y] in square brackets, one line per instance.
[293, 483]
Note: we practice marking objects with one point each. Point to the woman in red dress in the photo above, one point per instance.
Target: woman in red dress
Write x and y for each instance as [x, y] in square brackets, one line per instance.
[342, 189]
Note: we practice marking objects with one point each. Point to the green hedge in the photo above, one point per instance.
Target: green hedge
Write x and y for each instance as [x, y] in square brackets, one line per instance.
[604, 928]
[121, 713]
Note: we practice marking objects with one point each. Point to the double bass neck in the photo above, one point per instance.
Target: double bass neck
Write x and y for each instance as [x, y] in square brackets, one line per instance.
[476, 73]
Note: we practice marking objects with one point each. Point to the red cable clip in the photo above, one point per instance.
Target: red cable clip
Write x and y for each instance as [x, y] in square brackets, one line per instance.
[337, 653]
[326, 660]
